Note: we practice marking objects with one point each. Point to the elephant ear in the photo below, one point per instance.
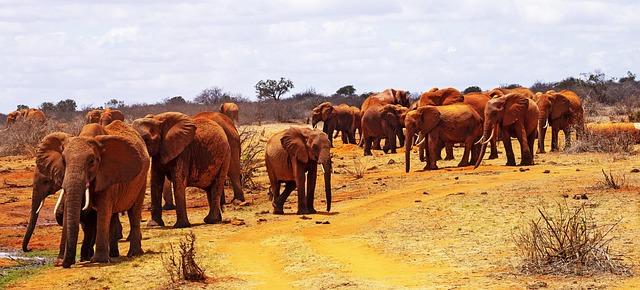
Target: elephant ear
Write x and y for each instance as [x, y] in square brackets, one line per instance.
[294, 142]
[327, 111]
[430, 116]
[559, 105]
[514, 106]
[120, 162]
[49, 159]
[178, 131]
[222, 108]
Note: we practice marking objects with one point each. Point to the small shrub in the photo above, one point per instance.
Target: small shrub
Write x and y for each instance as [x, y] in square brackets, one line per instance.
[358, 169]
[22, 138]
[250, 153]
[611, 181]
[609, 142]
[568, 241]
[184, 267]
[634, 116]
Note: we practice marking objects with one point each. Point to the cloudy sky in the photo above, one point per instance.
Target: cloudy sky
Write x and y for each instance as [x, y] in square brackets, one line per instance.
[144, 51]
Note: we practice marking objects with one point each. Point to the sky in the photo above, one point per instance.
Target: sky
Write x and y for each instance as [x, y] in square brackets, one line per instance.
[144, 51]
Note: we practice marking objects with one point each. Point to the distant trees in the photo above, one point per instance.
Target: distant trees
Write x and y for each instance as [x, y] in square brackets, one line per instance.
[308, 93]
[472, 89]
[511, 86]
[48, 108]
[211, 96]
[273, 89]
[177, 100]
[114, 104]
[22, 107]
[347, 90]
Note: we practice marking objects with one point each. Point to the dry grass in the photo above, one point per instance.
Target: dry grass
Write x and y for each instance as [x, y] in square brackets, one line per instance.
[184, 267]
[617, 142]
[22, 138]
[359, 169]
[568, 242]
[251, 151]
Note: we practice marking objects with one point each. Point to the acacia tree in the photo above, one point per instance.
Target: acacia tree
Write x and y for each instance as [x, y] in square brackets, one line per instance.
[211, 96]
[272, 89]
[348, 90]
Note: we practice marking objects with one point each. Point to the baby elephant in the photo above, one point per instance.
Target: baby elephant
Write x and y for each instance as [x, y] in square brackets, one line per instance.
[288, 156]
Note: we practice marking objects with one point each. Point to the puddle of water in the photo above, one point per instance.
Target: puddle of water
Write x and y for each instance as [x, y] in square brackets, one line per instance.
[18, 257]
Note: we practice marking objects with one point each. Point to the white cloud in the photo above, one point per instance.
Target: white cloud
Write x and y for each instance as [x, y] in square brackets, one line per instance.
[144, 51]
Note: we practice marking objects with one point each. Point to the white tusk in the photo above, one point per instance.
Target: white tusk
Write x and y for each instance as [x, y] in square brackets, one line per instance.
[479, 141]
[422, 141]
[546, 124]
[322, 167]
[490, 137]
[40, 207]
[86, 199]
[58, 202]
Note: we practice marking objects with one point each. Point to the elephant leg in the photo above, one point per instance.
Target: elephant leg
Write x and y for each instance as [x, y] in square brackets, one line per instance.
[554, 138]
[422, 151]
[468, 145]
[344, 136]
[114, 227]
[103, 226]
[494, 149]
[376, 143]
[167, 195]
[289, 186]
[299, 170]
[311, 188]
[433, 144]
[526, 158]
[367, 146]
[135, 234]
[274, 190]
[215, 207]
[179, 186]
[511, 159]
[530, 140]
[157, 183]
[88, 223]
[62, 248]
[449, 150]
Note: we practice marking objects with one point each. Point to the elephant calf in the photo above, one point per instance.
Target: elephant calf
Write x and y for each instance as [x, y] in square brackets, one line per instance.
[383, 122]
[288, 156]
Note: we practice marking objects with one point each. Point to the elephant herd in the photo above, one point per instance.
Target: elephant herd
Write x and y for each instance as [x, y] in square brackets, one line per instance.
[104, 170]
[441, 118]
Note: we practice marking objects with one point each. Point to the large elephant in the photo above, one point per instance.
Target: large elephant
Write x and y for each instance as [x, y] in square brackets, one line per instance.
[190, 152]
[563, 111]
[383, 122]
[335, 118]
[109, 172]
[231, 110]
[233, 137]
[43, 186]
[28, 115]
[455, 123]
[517, 116]
[103, 117]
[387, 97]
[289, 155]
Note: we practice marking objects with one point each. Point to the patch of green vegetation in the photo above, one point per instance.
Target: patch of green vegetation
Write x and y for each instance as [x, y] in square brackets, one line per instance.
[11, 275]
[41, 254]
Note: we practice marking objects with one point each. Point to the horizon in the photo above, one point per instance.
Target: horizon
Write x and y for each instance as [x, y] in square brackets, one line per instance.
[145, 52]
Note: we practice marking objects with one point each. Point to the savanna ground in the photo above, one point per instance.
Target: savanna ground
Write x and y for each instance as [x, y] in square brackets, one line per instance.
[450, 228]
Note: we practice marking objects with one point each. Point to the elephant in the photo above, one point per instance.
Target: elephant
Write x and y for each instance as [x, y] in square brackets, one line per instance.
[103, 117]
[107, 172]
[357, 121]
[339, 118]
[234, 143]
[44, 186]
[499, 92]
[388, 96]
[30, 115]
[563, 111]
[383, 122]
[290, 154]
[231, 110]
[455, 123]
[516, 115]
[190, 152]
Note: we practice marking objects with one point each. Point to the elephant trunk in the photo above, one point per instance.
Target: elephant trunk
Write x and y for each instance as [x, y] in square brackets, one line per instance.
[543, 123]
[407, 148]
[36, 204]
[74, 191]
[327, 182]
